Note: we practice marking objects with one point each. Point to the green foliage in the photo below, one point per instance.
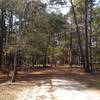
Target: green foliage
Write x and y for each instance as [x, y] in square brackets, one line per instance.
[35, 31]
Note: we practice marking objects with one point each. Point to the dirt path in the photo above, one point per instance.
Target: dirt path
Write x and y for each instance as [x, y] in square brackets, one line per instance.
[58, 89]
[52, 84]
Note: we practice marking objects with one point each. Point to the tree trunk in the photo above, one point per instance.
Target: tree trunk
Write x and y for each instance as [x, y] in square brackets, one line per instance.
[91, 9]
[71, 49]
[15, 68]
[2, 34]
[78, 35]
[86, 36]
[45, 60]
[33, 60]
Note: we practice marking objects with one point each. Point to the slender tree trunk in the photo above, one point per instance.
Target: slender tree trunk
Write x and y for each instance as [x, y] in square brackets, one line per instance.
[86, 34]
[95, 55]
[45, 60]
[33, 60]
[1, 51]
[78, 35]
[91, 9]
[15, 68]
[2, 34]
[71, 49]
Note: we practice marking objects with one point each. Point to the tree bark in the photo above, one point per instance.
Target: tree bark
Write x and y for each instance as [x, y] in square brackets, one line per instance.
[2, 34]
[71, 49]
[45, 60]
[86, 37]
[33, 60]
[91, 10]
[15, 68]
[78, 35]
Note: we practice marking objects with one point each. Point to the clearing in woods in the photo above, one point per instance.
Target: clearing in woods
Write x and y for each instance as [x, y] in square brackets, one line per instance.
[52, 84]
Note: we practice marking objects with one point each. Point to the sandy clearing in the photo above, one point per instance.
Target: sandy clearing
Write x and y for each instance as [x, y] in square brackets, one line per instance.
[58, 89]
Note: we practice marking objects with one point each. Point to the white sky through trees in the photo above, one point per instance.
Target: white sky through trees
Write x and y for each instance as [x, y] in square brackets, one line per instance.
[65, 9]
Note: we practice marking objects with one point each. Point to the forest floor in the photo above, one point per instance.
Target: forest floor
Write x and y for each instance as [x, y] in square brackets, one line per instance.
[59, 83]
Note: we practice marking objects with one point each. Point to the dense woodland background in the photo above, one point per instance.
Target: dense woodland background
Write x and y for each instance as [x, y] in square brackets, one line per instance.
[34, 33]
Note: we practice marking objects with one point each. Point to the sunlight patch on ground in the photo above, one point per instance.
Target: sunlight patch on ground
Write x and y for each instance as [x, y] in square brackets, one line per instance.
[57, 89]
[69, 95]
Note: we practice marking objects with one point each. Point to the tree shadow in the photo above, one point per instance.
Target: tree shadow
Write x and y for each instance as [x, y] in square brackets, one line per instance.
[64, 79]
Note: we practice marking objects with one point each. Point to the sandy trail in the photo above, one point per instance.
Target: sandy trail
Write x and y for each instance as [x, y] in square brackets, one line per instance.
[58, 89]
[52, 84]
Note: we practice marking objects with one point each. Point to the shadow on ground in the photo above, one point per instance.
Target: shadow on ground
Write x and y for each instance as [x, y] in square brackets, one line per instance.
[64, 76]
[91, 81]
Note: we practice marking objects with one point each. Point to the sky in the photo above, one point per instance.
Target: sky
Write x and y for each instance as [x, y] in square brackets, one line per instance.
[64, 10]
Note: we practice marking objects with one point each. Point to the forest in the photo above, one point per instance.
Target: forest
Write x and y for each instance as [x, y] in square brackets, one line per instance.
[40, 38]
